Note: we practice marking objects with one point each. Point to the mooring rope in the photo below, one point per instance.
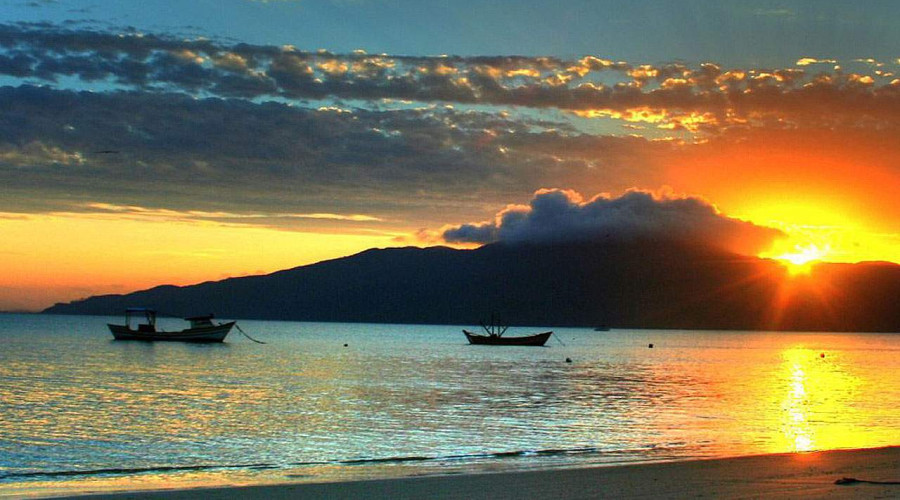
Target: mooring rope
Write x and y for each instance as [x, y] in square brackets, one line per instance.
[245, 334]
[556, 336]
[852, 480]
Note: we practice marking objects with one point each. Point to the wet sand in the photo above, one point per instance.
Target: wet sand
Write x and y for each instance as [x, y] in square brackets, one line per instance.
[803, 475]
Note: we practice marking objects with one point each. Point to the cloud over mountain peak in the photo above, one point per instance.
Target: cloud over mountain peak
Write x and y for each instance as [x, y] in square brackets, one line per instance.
[557, 216]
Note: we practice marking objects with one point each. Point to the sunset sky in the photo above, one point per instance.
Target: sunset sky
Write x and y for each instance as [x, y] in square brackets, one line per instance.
[159, 142]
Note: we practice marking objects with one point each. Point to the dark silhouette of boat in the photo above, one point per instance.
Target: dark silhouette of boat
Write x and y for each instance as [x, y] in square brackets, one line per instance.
[202, 328]
[537, 339]
[494, 336]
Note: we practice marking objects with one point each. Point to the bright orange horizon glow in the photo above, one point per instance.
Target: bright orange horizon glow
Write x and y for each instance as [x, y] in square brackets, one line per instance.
[835, 196]
[822, 234]
[67, 257]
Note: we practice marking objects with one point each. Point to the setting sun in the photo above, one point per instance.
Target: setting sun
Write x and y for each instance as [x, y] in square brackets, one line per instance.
[803, 258]
[816, 229]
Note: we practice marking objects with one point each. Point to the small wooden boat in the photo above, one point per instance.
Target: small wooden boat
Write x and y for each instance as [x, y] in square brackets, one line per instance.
[494, 336]
[202, 329]
[537, 339]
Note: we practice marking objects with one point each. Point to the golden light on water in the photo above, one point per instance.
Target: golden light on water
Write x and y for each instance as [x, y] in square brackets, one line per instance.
[816, 390]
[778, 393]
[796, 426]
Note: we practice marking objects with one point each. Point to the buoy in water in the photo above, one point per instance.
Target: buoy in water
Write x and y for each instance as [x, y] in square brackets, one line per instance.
[568, 360]
[650, 346]
[345, 345]
[822, 355]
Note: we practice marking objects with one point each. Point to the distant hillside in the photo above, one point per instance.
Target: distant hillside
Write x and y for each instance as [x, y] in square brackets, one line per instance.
[617, 285]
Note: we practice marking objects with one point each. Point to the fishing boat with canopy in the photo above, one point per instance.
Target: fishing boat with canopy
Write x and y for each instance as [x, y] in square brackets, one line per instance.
[140, 324]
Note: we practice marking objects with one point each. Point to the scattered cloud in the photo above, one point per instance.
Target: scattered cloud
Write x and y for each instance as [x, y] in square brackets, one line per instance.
[163, 214]
[38, 153]
[806, 61]
[589, 86]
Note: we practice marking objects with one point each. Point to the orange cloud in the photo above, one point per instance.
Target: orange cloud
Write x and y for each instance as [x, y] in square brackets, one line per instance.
[806, 61]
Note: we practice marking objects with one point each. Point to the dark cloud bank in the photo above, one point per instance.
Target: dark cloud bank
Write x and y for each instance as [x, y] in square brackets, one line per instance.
[183, 153]
[557, 216]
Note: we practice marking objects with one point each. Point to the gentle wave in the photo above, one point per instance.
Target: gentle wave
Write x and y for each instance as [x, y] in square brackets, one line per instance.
[129, 471]
[552, 452]
[471, 456]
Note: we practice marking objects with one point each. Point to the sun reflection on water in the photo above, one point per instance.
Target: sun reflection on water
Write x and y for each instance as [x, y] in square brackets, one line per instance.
[796, 424]
[818, 389]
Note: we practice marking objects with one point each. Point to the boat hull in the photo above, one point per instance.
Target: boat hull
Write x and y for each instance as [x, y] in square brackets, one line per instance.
[215, 333]
[530, 340]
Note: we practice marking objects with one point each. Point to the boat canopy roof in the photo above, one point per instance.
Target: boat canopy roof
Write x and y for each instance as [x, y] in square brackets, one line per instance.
[139, 313]
[197, 318]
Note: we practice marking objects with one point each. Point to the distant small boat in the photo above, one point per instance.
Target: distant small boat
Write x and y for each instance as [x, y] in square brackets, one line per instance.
[202, 328]
[494, 336]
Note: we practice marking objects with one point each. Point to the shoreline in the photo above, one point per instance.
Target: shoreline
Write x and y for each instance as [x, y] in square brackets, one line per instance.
[785, 475]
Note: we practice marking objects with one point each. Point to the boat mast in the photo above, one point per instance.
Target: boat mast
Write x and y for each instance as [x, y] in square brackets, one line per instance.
[494, 329]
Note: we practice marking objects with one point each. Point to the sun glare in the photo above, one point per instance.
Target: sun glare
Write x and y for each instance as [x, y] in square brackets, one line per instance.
[826, 234]
[802, 259]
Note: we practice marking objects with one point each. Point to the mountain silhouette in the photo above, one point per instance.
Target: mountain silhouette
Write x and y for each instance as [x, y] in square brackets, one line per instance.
[641, 284]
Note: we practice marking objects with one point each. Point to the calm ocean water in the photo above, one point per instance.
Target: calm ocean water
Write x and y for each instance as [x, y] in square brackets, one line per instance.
[81, 412]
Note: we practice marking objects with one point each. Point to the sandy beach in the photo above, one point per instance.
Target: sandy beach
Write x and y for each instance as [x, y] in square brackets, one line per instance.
[804, 475]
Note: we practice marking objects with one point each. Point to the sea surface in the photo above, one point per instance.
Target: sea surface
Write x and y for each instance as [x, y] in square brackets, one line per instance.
[328, 401]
